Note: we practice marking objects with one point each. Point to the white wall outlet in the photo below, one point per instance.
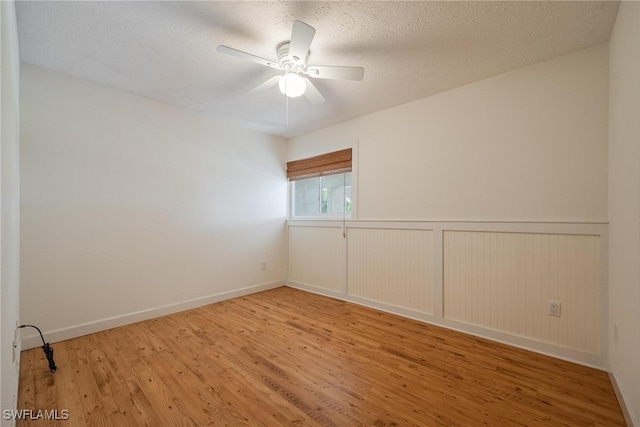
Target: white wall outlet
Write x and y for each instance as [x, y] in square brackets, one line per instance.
[263, 265]
[14, 344]
[554, 308]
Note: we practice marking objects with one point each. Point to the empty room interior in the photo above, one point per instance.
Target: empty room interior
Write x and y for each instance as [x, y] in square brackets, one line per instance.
[320, 213]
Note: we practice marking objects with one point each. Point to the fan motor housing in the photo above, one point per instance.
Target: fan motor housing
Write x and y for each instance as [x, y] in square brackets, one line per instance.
[290, 63]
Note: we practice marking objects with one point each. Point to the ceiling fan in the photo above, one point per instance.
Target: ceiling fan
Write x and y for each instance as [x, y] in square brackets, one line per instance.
[292, 60]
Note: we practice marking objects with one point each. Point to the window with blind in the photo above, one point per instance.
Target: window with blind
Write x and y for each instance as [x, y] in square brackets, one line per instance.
[321, 185]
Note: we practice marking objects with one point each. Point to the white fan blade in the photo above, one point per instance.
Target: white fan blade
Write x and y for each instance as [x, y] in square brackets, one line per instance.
[301, 37]
[312, 94]
[244, 55]
[266, 85]
[339, 73]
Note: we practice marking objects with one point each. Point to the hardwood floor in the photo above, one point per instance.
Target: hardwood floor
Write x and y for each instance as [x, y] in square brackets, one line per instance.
[288, 357]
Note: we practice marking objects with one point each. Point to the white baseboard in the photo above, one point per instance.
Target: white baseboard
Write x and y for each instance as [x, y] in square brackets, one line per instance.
[558, 352]
[57, 335]
[629, 417]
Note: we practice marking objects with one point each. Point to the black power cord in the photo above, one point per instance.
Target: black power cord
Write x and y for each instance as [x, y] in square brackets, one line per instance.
[48, 351]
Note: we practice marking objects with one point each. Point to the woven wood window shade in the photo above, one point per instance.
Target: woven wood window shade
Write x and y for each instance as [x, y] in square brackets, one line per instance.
[325, 164]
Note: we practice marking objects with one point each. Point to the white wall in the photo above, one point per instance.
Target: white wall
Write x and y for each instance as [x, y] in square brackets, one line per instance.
[10, 203]
[530, 144]
[624, 204]
[130, 205]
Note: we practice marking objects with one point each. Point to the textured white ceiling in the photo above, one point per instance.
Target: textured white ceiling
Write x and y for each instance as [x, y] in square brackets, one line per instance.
[410, 50]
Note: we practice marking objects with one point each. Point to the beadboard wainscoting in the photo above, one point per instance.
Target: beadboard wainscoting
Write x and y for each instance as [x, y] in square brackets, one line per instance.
[392, 266]
[316, 256]
[492, 279]
[504, 281]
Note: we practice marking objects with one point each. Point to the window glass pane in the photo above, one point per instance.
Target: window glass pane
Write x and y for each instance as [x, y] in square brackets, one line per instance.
[306, 197]
[324, 196]
[336, 193]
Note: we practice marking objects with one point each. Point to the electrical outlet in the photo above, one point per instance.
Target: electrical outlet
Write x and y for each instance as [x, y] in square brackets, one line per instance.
[263, 265]
[554, 308]
[14, 346]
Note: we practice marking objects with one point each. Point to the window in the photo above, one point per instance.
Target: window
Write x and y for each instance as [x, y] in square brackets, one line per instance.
[322, 196]
[321, 186]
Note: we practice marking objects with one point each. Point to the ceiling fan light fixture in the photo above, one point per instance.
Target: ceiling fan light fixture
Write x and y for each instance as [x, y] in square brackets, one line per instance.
[293, 55]
[292, 85]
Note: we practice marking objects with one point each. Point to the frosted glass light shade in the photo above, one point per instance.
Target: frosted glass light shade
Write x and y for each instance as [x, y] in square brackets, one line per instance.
[292, 85]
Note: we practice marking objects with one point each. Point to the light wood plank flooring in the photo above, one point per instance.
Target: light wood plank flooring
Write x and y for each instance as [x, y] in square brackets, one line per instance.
[291, 358]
